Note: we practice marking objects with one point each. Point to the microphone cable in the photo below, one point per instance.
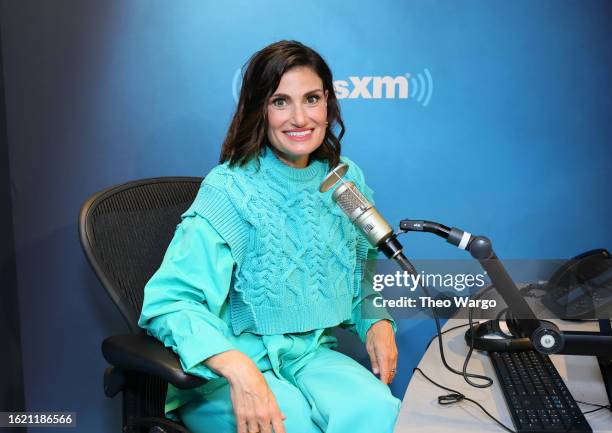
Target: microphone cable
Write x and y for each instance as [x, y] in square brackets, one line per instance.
[463, 372]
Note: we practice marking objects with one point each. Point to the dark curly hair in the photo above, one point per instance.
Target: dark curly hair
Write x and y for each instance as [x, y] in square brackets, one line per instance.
[247, 134]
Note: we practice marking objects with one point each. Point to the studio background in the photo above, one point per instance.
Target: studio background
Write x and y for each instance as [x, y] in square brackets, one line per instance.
[505, 130]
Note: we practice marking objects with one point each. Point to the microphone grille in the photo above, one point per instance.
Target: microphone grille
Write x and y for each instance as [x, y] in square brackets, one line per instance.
[351, 200]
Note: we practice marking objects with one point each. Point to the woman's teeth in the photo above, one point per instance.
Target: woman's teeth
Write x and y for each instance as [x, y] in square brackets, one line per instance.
[299, 134]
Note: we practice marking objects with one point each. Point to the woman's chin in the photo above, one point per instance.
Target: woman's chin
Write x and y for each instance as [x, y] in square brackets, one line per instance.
[296, 153]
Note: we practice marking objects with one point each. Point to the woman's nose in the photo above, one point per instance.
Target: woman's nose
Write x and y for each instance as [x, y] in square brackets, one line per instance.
[299, 116]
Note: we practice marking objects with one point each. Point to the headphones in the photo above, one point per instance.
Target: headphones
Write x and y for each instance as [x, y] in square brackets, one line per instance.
[488, 336]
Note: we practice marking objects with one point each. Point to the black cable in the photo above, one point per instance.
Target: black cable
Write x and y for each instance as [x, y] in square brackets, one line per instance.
[470, 324]
[466, 376]
[576, 418]
[601, 406]
[469, 355]
[597, 405]
[444, 332]
[456, 397]
[595, 410]
[408, 267]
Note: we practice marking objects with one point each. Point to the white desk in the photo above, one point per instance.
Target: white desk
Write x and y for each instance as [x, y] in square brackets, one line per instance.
[421, 412]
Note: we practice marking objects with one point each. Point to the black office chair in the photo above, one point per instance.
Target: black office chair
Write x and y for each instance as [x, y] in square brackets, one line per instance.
[124, 231]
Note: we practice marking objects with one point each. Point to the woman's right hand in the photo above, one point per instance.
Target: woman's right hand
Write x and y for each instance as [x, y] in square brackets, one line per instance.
[254, 404]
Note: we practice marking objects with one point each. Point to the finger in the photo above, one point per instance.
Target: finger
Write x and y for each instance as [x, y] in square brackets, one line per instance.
[277, 415]
[394, 364]
[241, 425]
[373, 362]
[251, 417]
[393, 359]
[264, 418]
[385, 368]
[253, 425]
[278, 425]
[392, 373]
[239, 413]
[265, 421]
[265, 427]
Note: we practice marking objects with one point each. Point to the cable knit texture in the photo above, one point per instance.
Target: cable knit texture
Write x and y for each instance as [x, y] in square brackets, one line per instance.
[298, 257]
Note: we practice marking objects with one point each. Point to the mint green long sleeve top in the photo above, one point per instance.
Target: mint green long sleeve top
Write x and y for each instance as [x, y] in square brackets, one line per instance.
[186, 307]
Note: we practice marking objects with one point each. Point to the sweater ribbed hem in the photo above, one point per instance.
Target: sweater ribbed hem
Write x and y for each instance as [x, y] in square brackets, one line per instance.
[264, 320]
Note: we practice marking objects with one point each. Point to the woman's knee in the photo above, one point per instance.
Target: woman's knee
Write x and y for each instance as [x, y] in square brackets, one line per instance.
[378, 410]
[384, 407]
[374, 399]
[294, 406]
[345, 393]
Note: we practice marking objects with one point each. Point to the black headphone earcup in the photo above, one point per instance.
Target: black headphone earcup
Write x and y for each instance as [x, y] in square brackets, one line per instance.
[482, 339]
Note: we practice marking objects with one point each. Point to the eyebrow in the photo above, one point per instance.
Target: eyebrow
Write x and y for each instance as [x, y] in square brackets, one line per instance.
[287, 96]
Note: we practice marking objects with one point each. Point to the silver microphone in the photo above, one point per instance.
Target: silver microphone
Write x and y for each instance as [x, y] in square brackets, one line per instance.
[359, 210]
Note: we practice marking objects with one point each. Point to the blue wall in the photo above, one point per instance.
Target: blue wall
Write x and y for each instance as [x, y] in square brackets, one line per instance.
[509, 135]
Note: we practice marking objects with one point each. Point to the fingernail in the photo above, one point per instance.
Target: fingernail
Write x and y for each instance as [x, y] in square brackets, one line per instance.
[375, 370]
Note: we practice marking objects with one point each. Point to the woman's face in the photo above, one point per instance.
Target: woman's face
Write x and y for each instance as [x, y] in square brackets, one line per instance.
[297, 114]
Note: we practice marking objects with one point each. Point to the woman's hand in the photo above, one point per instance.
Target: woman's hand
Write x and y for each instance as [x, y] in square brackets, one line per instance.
[380, 344]
[255, 406]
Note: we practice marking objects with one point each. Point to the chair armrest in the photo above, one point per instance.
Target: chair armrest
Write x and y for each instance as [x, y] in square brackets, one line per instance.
[145, 354]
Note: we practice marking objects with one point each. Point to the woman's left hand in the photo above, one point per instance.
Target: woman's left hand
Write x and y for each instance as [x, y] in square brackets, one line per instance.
[380, 344]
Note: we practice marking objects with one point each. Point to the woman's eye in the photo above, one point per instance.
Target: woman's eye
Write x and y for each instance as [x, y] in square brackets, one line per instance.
[279, 102]
[313, 99]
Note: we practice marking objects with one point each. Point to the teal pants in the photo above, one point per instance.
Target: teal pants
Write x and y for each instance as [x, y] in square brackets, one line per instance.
[330, 393]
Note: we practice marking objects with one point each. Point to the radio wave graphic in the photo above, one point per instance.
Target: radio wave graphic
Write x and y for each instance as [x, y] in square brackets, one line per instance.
[421, 87]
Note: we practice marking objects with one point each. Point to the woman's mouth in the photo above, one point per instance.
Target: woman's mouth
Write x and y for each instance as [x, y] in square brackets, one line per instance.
[299, 134]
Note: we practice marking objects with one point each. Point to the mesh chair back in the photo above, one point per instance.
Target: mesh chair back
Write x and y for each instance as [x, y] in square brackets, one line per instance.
[125, 231]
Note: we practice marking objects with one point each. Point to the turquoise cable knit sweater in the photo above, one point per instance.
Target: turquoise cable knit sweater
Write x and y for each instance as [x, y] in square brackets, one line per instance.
[298, 257]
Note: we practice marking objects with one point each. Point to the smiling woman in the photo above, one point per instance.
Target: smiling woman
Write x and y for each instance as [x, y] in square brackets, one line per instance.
[263, 265]
[297, 116]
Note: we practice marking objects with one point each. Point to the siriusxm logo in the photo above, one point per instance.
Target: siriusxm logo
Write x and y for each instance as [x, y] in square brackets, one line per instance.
[418, 87]
[405, 86]
[372, 87]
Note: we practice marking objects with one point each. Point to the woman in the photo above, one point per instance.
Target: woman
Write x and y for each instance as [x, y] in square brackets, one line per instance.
[263, 265]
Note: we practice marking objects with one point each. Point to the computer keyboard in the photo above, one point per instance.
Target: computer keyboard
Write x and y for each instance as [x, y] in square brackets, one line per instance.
[536, 396]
